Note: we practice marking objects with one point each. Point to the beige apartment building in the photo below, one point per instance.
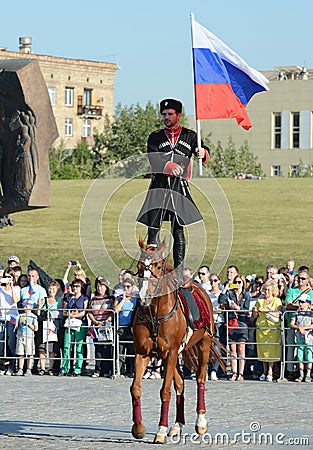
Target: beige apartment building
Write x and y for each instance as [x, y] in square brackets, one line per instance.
[81, 92]
[282, 122]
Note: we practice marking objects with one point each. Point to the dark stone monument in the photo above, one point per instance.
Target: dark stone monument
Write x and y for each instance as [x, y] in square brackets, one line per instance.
[27, 130]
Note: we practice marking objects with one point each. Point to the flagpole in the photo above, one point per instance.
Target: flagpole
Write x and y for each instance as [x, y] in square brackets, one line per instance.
[198, 127]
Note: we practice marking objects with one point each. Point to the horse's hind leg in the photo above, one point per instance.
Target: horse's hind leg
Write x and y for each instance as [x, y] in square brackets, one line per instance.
[176, 429]
[138, 428]
[204, 353]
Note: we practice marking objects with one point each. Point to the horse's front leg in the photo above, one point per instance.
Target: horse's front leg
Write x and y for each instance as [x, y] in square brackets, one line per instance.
[138, 428]
[177, 428]
[165, 394]
[204, 353]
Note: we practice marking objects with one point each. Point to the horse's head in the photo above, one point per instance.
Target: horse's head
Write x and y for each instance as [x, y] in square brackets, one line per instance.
[152, 267]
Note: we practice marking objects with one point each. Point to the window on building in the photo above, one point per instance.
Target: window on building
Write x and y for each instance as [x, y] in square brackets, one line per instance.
[86, 128]
[295, 117]
[294, 170]
[52, 95]
[87, 97]
[276, 171]
[69, 96]
[68, 127]
[277, 130]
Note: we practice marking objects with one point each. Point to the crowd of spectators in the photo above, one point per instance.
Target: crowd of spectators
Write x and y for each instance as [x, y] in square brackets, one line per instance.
[47, 329]
[256, 314]
[46, 325]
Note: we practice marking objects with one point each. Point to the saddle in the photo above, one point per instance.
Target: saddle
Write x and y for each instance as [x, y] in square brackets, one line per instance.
[194, 305]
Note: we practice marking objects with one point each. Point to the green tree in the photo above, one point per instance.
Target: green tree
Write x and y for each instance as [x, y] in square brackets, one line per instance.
[303, 170]
[231, 159]
[247, 161]
[217, 163]
[72, 164]
[127, 134]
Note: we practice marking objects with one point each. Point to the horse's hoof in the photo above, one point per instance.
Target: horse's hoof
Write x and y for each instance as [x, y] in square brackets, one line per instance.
[160, 437]
[175, 430]
[201, 429]
[138, 430]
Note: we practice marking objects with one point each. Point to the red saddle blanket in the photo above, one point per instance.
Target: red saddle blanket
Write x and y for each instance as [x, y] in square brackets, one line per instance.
[206, 318]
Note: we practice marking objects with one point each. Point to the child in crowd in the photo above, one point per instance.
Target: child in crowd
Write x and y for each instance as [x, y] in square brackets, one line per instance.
[290, 265]
[26, 325]
[302, 321]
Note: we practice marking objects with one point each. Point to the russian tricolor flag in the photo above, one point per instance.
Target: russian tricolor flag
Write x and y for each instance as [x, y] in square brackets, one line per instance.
[93, 332]
[13, 320]
[31, 289]
[224, 83]
[66, 287]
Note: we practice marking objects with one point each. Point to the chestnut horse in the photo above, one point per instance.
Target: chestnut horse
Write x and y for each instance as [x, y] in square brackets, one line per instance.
[159, 327]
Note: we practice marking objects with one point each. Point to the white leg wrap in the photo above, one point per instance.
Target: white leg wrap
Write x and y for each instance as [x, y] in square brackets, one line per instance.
[160, 437]
[176, 429]
[201, 420]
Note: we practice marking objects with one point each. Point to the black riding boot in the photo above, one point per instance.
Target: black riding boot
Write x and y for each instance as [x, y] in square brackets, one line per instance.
[153, 237]
[179, 253]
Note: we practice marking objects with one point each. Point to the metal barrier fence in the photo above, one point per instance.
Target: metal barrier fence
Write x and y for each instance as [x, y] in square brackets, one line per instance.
[78, 350]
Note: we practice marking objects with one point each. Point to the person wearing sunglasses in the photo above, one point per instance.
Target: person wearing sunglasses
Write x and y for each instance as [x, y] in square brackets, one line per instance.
[204, 278]
[302, 322]
[267, 312]
[236, 302]
[100, 313]
[219, 320]
[75, 306]
[124, 307]
[292, 303]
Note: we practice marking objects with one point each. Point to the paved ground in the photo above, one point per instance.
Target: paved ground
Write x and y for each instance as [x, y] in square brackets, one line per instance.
[85, 413]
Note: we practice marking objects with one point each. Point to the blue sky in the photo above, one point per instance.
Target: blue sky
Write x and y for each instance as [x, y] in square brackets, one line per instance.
[151, 41]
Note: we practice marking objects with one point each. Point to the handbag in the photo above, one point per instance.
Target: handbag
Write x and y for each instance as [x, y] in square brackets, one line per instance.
[272, 318]
[73, 323]
[49, 331]
[308, 337]
[105, 334]
[232, 324]
[102, 334]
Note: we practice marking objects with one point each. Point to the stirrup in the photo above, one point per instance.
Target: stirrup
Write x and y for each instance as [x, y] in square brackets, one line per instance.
[186, 339]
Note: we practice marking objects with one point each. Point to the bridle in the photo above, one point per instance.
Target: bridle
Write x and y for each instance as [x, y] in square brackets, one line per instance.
[145, 313]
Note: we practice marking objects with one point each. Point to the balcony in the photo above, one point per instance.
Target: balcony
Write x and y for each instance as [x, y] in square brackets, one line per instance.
[90, 111]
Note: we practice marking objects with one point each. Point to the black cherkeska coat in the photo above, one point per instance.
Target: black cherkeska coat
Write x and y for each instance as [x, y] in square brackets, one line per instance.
[168, 194]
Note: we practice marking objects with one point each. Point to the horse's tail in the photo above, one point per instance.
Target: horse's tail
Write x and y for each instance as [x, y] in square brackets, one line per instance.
[217, 354]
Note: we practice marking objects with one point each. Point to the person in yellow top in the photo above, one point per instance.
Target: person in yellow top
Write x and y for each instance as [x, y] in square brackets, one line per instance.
[267, 311]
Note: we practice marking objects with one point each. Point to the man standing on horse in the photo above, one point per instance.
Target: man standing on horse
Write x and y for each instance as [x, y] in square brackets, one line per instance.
[170, 152]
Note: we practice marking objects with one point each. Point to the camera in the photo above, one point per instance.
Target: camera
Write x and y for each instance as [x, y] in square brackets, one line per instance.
[233, 286]
[4, 281]
[73, 263]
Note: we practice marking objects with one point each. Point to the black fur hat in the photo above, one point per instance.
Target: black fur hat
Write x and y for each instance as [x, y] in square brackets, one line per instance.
[171, 103]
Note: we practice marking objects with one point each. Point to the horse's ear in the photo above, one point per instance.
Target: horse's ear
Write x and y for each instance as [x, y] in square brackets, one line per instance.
[141, 242]
[162, 248]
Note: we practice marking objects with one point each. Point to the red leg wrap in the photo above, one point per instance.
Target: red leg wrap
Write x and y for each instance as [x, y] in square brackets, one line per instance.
[137, 417]
[164, 414]
[201, 402]
[180, 409]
